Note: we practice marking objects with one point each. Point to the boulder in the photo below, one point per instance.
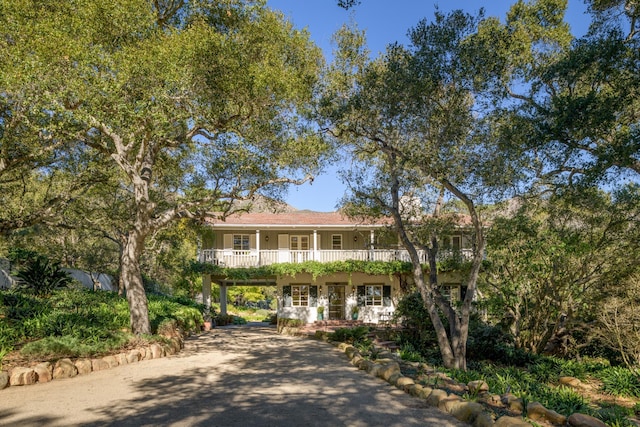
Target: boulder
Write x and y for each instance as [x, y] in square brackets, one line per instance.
[483, 420]
[405, 382]
[425, 392]
[350, 351]
[512, 402]
[83, 366]
[436, 396]
[479, 386]
[44, 372]
[570, 382]
[4, 379]
[156, 351]
[111, 361]
[414, 389]
[22, 376]
[393, 379]
[99, 365]
[356, 359]
[64, 368]
[506, 421]
[388, 370]
[449, 403]
[134, 356]
[537, 412]
[467, 412]
[582, 420]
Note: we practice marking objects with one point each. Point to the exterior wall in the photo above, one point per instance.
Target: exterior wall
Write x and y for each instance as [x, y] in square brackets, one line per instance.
[368, 314]
[269, 238]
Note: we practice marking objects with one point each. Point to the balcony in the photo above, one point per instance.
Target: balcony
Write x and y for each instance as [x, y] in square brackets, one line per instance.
[254, 258]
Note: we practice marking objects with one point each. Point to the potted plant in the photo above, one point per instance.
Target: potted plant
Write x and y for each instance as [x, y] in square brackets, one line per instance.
[354, 312]
[321, 312]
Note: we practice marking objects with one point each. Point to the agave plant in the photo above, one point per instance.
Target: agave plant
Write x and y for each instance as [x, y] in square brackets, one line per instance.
[42, 276]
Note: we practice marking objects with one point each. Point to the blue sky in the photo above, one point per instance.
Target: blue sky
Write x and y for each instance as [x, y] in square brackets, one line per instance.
[384, 22]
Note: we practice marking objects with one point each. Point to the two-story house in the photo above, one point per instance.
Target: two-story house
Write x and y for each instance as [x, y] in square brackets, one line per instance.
[249, 240]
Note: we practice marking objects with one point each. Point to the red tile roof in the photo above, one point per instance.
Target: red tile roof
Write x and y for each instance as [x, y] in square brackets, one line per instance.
[293, 219]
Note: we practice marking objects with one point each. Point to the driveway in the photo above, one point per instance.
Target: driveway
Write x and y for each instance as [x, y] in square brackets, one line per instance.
[231, 376]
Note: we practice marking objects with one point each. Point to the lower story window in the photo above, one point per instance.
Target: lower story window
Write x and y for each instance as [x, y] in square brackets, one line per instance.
[374, 295]
[300, 295]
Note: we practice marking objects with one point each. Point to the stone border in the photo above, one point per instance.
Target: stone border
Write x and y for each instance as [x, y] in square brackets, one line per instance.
[44, 372]
[386, 367]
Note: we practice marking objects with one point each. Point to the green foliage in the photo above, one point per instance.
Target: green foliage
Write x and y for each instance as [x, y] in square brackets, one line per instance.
[619, 381]
[73, 346]
[410, 354]
[357, 335]
[41, 276]
[615, 415]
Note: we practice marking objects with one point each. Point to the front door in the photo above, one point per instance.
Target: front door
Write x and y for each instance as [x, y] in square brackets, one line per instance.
[336, 301]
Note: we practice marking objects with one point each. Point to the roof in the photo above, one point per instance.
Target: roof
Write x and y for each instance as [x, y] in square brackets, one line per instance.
[295, 219]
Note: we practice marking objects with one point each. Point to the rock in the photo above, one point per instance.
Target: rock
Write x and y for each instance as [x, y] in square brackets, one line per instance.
[99, 365]
[467, 411]
[122, 359]
[388, 370]
[343, 346]
[582, 420]
[570, 381]
[393, 379]
[414, 389]
[22, 376]
[404, 383]
[476, 387]
[483, 420]
[64, 368]
[44, 372]
[425, 392]
[156, 351]
[111, 361]
[449, 403]
[537, 412]
[4, 379]
[512, 402]
[436, 396]
[355, 360]
[350, 351]
[134, 356]
[83, 366]
[506, 421]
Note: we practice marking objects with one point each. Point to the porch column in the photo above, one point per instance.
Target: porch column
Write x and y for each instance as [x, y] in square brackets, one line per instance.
[206, 291]
[315, 245]
[372, 241]
[258, 246]
[223, 299]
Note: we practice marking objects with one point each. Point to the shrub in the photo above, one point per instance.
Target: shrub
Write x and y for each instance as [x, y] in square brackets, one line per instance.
[619, 381]
[41, 276]
[357, 335]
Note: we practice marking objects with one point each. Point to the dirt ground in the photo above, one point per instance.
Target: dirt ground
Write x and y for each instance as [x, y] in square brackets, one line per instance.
[232, 376]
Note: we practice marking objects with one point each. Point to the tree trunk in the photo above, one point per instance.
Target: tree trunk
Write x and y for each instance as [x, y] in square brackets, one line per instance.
[131, 279]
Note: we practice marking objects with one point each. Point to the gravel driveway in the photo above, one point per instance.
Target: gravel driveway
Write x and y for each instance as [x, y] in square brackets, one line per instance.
[231, 376]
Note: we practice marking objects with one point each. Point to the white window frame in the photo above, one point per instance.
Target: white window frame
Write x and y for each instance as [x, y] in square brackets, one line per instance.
[241, 239]
[300, 295]
[299, 239]
[373, 295]
[336, 242]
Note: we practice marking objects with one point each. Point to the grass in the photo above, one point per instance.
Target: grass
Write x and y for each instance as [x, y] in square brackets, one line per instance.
[79, 322]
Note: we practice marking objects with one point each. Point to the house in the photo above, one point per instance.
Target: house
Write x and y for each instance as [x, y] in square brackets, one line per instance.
[314, 240]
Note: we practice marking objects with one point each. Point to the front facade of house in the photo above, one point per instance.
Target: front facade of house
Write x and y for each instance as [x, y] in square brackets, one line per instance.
[261, 239]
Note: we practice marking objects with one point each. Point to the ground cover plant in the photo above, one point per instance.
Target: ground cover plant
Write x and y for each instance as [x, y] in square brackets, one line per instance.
[76, 322]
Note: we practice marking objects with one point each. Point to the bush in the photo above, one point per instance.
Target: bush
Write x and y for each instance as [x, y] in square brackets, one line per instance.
[357, 335]
[41, 276]
[619, 381]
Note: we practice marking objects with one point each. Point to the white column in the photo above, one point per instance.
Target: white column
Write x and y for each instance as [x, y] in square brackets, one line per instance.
[223, 299]
[316, 257]
[372, 240]
[258, 245]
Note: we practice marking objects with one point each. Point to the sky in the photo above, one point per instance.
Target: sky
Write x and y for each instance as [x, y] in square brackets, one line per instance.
[384, 22]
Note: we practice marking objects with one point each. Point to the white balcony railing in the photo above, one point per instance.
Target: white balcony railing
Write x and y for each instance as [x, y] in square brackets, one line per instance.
[254, 258]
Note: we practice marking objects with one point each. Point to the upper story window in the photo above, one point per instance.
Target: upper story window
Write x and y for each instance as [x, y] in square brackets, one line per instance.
[241, 242]
[299, 243]
[336, 241]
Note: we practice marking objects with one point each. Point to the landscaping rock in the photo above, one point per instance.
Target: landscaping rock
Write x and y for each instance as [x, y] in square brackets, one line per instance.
[404, 383]
[4, 379]
[64, 368]
[425, 392]
[582, 420]
[22, 376]
[156, 351]
[483, 420]
[506, 421]
[134, 356]
[393, 379]
[44, 372]
[479, 386]
[512, 402]
[449, 403]
[467, 412]
[99, 365]
[388, 370]
[356, 359]
[570, 381]
[537, 412]
[122, 358]
[436, 396]
[111, 361]
[83, 366]
[414, 390]
[350, 351]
